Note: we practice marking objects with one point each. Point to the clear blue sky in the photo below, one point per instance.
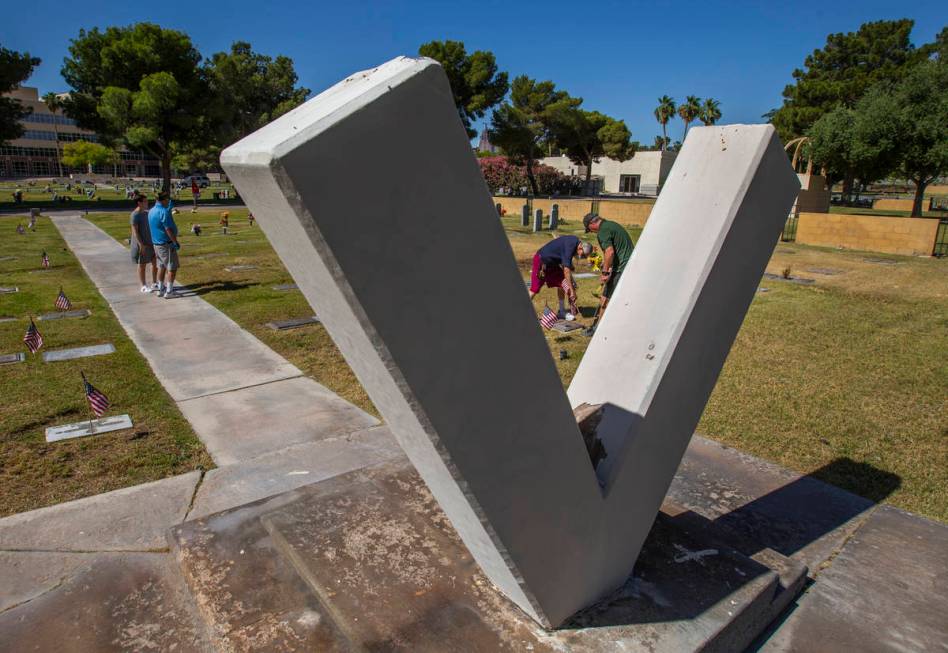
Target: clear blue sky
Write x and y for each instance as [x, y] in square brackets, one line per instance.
[618, 56]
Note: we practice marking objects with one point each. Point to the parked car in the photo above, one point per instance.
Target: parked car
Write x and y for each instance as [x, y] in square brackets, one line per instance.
[202, 181]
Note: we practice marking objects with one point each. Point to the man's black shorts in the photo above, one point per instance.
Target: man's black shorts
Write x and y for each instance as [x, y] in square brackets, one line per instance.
[611, 284]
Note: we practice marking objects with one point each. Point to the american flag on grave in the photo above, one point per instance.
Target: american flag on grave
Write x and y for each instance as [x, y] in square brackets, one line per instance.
[568, 289]
[33, 339]
[98, 402]
[548, 319]
[45, 260]
[62, 302]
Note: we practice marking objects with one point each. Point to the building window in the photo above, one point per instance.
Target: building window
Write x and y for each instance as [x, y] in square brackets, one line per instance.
[49, 119]
[21, 169]
[41, 168]
[629, 183]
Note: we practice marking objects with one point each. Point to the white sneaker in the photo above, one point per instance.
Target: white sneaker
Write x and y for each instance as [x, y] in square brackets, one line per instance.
[155, 286]
[146, 289]
[170, 293]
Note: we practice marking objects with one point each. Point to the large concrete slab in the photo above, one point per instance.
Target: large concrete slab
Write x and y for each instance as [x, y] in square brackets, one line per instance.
[886, 591]
[130, 519]
[290, 468]
[238, 425]
[105, 602]
[382, 569]
[797, 515]
[495, 438]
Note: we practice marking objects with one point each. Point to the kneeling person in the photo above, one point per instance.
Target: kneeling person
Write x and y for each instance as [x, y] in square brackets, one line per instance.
[552, 264]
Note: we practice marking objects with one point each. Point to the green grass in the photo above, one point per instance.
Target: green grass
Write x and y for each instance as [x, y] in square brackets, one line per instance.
[33, 473]
[36, 196]
[846, 379]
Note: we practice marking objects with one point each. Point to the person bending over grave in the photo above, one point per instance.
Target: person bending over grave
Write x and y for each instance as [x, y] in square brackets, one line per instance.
[164, 235]
[143, 252]
[616, 251]
[552, 265]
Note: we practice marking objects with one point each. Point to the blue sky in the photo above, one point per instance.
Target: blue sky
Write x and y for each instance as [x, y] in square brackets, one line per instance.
[618, 56]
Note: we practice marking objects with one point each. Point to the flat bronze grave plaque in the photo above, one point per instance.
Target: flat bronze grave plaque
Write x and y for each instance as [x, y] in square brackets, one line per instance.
[286, 286]
[283, 325]
[240, 268]
[566, 327]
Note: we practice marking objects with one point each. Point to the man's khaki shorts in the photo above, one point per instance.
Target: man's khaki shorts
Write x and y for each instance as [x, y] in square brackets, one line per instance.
[167, 256]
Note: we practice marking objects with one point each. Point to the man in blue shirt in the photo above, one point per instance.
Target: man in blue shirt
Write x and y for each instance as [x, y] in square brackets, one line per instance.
[553, 264]
[164, 236]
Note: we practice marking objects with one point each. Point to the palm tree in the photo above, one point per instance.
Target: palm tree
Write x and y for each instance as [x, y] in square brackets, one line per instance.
[710, 112]
[664, 112]
[689, 110]
[54, 104]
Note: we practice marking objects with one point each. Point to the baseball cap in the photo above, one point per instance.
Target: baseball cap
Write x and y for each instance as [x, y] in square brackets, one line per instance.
[589, 217]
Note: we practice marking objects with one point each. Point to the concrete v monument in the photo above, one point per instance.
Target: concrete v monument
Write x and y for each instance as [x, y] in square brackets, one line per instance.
[372, 199]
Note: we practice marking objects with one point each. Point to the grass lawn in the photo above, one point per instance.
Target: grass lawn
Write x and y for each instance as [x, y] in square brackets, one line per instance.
[35, 395]
[36, 196]
[846, 379]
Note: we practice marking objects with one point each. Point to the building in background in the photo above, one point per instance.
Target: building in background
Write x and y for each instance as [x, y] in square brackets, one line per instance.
[34, 153]
[643, 174]
[484, 144]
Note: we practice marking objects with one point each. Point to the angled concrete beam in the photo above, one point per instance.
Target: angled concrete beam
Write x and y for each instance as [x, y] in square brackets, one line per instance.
[354, 188]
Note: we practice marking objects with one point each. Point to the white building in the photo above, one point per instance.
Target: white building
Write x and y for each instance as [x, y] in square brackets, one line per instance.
[643, 174]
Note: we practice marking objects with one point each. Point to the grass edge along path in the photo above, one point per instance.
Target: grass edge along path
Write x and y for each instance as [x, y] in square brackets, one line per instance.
[34, 473]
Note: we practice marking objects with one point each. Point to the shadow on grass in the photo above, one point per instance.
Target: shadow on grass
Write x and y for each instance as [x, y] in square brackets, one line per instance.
[217, 285]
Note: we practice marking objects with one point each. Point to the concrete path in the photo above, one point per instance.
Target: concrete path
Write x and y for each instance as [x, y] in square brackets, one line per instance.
[242, 398]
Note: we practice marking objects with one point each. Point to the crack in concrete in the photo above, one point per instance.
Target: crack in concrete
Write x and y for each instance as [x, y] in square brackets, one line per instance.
[197, 487]
[243, 387]
[828, 562]
[58, 584]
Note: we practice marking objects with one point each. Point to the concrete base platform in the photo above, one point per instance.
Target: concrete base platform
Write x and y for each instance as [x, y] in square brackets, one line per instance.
[367, 561]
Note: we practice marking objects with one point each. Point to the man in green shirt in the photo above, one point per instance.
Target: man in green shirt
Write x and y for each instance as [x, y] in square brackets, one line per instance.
[616, 251]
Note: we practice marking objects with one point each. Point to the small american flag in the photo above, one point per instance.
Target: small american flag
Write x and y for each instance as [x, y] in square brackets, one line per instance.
[98, 402]
[33, 339]
[548, 319]
[568, 289]
[62, 302]
[45, 260]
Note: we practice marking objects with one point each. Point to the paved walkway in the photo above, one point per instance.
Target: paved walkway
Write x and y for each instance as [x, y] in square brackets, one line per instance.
[242, 398]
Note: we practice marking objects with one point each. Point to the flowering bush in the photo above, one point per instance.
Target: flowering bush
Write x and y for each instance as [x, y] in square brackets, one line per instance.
[499, 172]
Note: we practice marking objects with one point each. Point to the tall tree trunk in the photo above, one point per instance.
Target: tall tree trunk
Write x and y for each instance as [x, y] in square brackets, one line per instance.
[589, 172]
[59, 160]
[920, 186]
[848, 180]
[664, 135]
[533, 180]
[166, 171]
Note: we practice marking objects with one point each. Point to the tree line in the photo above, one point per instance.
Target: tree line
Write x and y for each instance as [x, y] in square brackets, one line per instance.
[148, 88]
[869, 105]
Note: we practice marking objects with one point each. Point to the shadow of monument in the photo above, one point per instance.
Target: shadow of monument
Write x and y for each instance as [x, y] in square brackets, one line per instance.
[689, 564]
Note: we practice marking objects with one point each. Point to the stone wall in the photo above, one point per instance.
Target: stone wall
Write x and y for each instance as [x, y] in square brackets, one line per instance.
[629, 212]
[895, 204]
[891, 235]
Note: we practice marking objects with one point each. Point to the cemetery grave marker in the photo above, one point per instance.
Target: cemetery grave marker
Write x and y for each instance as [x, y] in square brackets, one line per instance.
[283, 325]
[79, 313]
[82, 429]
[78, 352]
[6, 359]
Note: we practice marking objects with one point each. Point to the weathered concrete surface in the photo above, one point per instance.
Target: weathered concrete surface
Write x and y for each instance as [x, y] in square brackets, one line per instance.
[384, 570]
[290, 468]
[886, 591]
[130, 519]
[106, 602]
[29, 574]
[239, 425]
[494, 439]
[763, 503]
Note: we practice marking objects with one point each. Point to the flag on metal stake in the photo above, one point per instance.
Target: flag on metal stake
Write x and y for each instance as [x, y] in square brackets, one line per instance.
[98, 402]
[62, 302]
[33, 339]
[45, 260]
[548, 319]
